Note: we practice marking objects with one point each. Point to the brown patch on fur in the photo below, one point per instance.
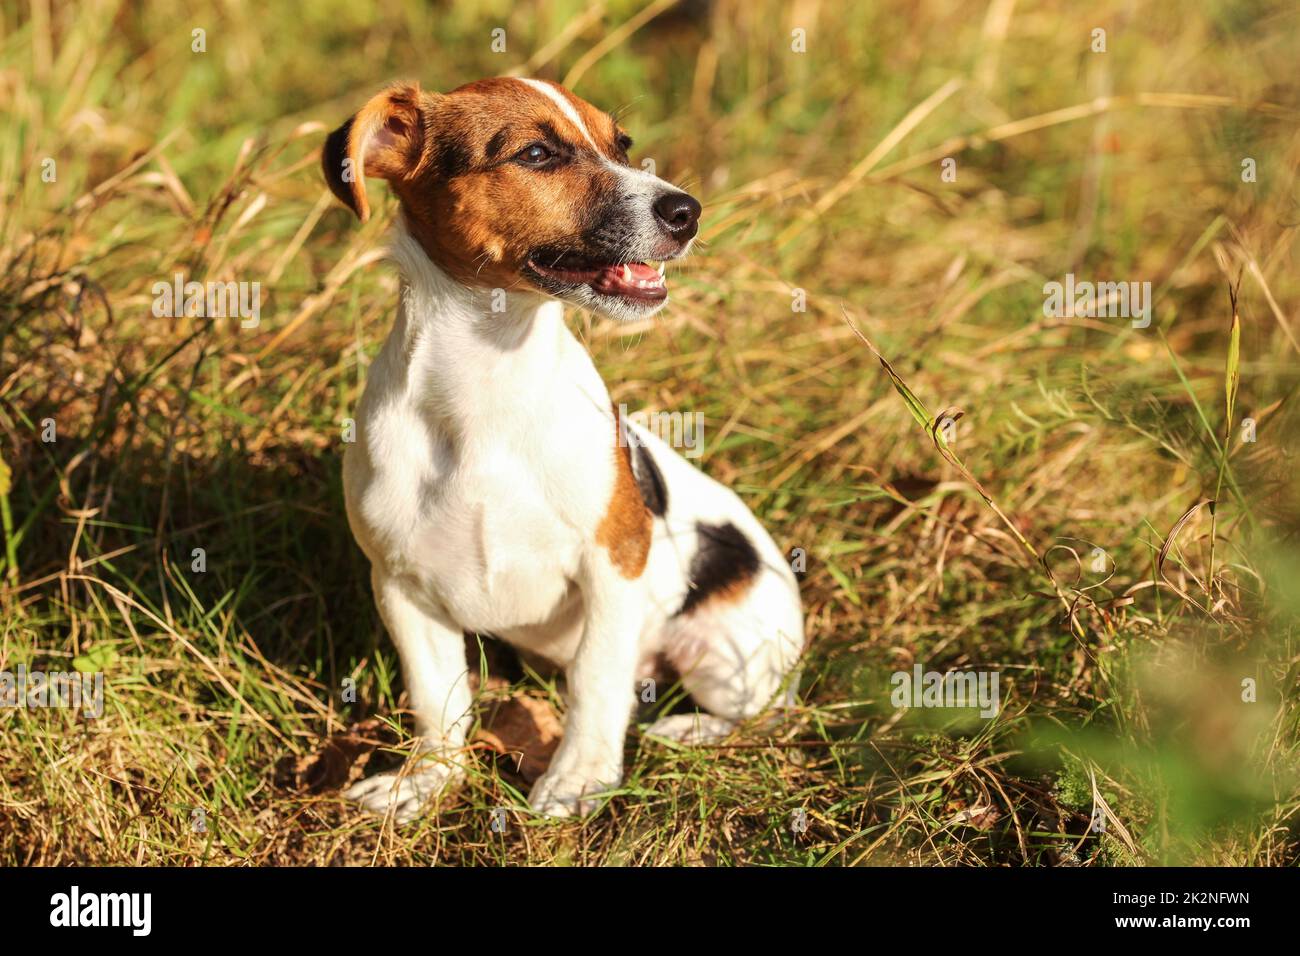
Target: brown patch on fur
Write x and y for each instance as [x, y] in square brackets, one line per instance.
[733, 592]
[626, 529]
[476, 215]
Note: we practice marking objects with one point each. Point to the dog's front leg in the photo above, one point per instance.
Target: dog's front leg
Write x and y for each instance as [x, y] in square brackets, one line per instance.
[600, 684]
[437, 683]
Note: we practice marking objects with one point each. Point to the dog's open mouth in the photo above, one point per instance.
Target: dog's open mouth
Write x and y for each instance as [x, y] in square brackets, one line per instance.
[626, 280]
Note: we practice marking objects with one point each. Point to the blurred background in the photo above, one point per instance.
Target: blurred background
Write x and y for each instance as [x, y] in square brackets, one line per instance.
[918, 169]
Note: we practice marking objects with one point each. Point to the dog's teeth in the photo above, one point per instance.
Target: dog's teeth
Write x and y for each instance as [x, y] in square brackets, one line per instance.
[661, 269]
[627, 273]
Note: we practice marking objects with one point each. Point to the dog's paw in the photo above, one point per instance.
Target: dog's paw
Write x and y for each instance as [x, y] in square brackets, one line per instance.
[569, 795]
[405, 795]
[691, 728]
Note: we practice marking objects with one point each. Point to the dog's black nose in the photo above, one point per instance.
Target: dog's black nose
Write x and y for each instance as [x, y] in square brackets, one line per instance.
[679, 213]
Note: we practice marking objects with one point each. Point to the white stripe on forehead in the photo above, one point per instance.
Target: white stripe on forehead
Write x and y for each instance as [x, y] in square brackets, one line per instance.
[559, 99]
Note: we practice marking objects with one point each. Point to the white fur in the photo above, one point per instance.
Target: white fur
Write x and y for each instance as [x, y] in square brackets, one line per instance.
[483, 466]
[558, 99]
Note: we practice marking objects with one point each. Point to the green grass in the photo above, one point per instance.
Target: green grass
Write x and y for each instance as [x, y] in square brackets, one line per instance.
[820, 173]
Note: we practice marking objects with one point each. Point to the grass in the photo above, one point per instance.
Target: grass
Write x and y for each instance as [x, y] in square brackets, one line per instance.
[240, 696]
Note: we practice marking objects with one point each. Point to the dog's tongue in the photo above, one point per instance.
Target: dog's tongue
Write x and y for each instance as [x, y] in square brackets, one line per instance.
[630, 278]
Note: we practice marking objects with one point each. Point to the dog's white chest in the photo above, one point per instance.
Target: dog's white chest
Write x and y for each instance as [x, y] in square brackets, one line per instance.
[489, 521]
[477, 536]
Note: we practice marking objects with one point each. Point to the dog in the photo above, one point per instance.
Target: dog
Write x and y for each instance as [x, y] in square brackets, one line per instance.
[491, 484]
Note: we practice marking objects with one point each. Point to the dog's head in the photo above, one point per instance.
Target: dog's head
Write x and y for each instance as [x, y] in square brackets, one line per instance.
[508, 182]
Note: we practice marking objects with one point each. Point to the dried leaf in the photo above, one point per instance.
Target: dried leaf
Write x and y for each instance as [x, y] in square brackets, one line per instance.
[340, 760]
[525, 728]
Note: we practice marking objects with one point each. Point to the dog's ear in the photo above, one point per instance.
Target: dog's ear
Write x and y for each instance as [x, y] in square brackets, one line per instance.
[385, 139]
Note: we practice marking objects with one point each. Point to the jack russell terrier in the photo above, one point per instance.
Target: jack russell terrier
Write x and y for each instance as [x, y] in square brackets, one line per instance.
[491, 484]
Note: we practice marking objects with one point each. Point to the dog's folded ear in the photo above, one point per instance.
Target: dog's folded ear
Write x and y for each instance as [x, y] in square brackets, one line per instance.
[385, 139]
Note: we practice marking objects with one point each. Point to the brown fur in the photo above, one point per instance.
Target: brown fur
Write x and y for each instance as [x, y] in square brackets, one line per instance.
[733, 592]
[626, 529]
[478, 217]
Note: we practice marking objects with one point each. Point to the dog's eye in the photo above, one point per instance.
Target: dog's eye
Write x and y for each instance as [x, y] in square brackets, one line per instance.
[535, 154]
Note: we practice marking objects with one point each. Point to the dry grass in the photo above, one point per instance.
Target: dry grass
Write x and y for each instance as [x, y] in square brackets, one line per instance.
[821, 173]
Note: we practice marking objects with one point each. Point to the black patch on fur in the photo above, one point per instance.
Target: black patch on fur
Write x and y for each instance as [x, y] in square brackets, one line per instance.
[621, 145]
[331, 161]
[453, 159]
[725, 558]
[654, 492]
[496, 143]
[551, 133]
